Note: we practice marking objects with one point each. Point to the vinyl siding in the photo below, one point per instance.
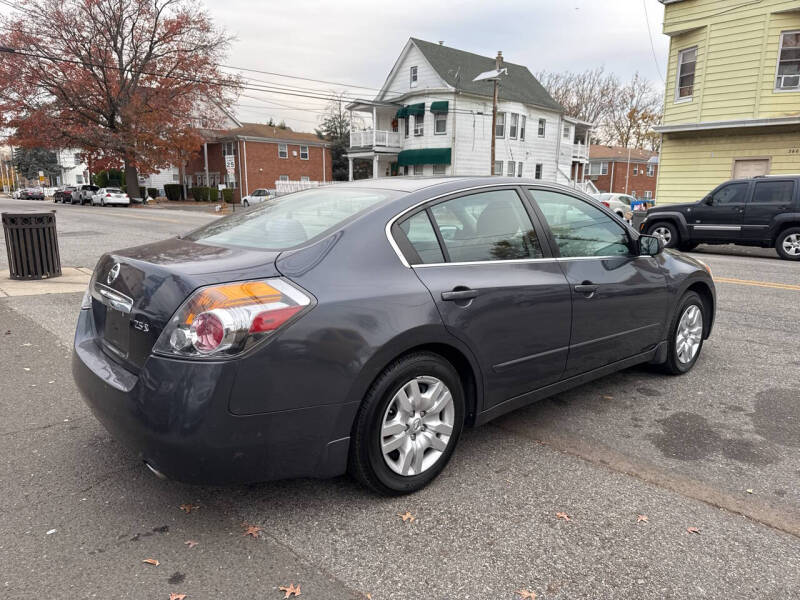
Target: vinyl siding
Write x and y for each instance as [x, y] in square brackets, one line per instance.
[680, 179]
[686, 111]
[400, 82]
[772, 103]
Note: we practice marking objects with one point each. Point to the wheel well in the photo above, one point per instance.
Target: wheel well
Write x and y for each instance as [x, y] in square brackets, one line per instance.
[702, 290]
[784, 227]
[465, 372]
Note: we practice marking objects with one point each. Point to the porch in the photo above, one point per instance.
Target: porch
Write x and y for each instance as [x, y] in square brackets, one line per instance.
[374, 126]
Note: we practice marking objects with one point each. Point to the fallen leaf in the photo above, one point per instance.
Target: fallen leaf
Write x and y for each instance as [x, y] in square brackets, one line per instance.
[750, 491]
[641, 519]
[290, 591]
[526, 595]
[51, 532]
[174, 596]
[562, 515]
[253, 531]
[151, 561]
[693, 530]
[26, 368]
[187, 508]
[407, 517]
[191, 543]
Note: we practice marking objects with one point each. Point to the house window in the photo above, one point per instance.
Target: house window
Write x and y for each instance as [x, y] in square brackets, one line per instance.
[538, 173]
[283, 178]
[687, 61]
[304, 152]
[413, 77]
[304, 178]
[635, 169]
[440, 123]
[789, 62]
[419, 124]
[439, 169]
[418, 170]
[633, 193]
[648, 195]
[229, 148]
[79, 179]
[542, 127]
[513, 126]
[522, 120]
[406, 120]
[77, 158]
[651, 170]
[597, 168]
[603, 168]
[512, 168]
[500, 125]
[176, 177]
[283, 151]
[566, 131]
[498, 167]
[519, 166]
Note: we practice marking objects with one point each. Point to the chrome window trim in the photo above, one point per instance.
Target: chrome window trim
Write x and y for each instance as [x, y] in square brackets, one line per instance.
[718, 227]
[526, 260]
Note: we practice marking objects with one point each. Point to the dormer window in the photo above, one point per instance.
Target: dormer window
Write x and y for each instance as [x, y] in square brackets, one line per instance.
[413, 77]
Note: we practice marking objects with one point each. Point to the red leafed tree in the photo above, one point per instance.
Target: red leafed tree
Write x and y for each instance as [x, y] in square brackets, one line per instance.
[125, 81]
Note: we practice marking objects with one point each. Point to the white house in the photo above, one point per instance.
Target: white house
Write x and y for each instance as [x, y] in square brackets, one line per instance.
[74, 171]
[431, 118]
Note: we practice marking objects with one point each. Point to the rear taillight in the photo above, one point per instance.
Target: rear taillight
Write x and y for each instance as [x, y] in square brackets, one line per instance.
[225, 320]
[108, 195]
[604, 203]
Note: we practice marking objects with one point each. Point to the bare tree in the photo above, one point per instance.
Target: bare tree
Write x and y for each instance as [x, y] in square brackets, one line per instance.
[636, 108]
[585, 95]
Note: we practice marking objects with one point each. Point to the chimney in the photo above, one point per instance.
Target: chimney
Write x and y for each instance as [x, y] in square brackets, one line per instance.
[441, 42]
[499, 60]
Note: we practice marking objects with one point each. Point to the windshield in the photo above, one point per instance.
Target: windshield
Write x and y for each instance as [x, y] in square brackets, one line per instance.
[282, 223]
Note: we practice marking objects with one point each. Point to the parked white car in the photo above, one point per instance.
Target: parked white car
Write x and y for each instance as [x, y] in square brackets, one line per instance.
[105, 196]
[257, 196]
[619, 203]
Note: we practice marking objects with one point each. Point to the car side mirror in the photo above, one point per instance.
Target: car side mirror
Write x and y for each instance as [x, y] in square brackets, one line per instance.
[650, 245]
[709, 200]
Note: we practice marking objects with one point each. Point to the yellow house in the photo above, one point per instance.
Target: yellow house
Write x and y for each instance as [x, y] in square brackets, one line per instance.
[732, 105]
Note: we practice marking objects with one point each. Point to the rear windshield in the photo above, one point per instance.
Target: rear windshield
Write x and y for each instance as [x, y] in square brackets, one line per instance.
[291, 220]
[114, 190]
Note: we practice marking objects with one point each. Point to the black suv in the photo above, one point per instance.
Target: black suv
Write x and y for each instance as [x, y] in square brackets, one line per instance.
[764, 211]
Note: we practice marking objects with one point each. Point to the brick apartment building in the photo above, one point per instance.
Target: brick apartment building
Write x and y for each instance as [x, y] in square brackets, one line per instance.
[613, 169]
[263, 154]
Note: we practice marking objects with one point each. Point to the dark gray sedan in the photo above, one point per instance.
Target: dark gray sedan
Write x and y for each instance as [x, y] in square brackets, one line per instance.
[361, 326]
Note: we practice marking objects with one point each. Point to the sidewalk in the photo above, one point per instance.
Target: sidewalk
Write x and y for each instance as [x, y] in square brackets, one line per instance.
[71, 280]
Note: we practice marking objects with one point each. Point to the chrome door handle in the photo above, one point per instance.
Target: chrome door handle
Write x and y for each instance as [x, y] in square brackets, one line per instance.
[586, 288]
[459, 295]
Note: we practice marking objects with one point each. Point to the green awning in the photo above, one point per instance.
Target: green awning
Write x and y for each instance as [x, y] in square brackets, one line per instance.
[424, 156]
[415, 109]
[402, 113]
[440, 106]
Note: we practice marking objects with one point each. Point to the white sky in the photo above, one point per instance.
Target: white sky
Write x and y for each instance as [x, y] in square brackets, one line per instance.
[357, 41]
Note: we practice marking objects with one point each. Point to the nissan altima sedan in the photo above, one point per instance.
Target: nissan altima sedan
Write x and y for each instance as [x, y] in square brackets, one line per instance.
[360, 327]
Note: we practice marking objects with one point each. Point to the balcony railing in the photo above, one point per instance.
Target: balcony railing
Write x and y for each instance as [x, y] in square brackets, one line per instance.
[374, 138]
[580, 152]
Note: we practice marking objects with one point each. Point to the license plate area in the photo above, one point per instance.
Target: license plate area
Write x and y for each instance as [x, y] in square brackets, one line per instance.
[117, 331]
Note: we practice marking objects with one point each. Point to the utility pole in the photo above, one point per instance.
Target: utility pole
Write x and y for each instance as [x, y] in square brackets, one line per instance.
[496, 81]
[628, 171]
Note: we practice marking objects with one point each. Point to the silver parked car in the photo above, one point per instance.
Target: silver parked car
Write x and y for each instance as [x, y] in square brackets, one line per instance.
[258, 196]
[619, 203]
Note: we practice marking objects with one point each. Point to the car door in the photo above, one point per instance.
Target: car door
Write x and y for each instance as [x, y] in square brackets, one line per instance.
[770, 197]
[619, 299]
[496, 285]
[719, 217]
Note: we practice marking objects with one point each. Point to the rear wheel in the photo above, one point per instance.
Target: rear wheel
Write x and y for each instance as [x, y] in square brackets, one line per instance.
[788, 244]
[667, 232]
[685, 335]
[408, 425]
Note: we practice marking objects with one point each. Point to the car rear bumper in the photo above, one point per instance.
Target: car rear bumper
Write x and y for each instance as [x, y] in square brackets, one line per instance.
[174, 415]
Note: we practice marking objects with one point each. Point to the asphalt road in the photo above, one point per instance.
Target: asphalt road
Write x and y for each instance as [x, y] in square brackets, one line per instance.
[716, 450]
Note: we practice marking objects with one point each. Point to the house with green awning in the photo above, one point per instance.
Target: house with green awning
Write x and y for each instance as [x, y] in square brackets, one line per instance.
[432, 118]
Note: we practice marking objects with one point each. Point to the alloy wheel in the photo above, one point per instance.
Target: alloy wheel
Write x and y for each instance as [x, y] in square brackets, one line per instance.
[664, 233]
[791, 244]
[689, 334]
[417, 425]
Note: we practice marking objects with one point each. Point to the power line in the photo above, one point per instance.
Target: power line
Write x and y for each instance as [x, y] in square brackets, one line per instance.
[652, 44]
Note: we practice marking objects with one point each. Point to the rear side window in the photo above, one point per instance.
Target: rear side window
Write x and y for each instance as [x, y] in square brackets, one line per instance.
[486, 226]
[579, 228]
[735, 193]
[774, 192]
[422, 237]
[291, 220]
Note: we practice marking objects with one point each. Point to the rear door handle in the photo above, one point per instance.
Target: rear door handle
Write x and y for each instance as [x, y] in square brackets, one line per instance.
[586, 288]
[459, 295]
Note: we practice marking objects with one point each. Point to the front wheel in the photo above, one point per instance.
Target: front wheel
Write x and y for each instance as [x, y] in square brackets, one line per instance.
[685, 335]
[408, 425]
[667, 232]
[788, 244]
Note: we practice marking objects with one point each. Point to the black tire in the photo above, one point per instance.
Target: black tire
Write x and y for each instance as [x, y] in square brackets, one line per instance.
[245, 203]
[794, 234]
[689, 246]
[673, 365]
[367, 463]
[674, 236]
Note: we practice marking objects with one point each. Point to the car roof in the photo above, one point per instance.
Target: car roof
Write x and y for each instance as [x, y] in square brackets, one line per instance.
[415, 184]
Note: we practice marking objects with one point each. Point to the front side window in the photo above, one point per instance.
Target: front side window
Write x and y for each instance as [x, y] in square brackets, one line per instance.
[283, 151]
[304, 152]
[733, 193]
[512, 168]
[486, 226]
[413, 77]
[419, 124]
[513, 126]
[789, 62]
[542, 127]
[579, 228]
[290, 220]
[440, 123]
[500, 125]
[774, 192]
[498, 167]
[538, 172]
[420, 234]
[522, 120]
[687, 62]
